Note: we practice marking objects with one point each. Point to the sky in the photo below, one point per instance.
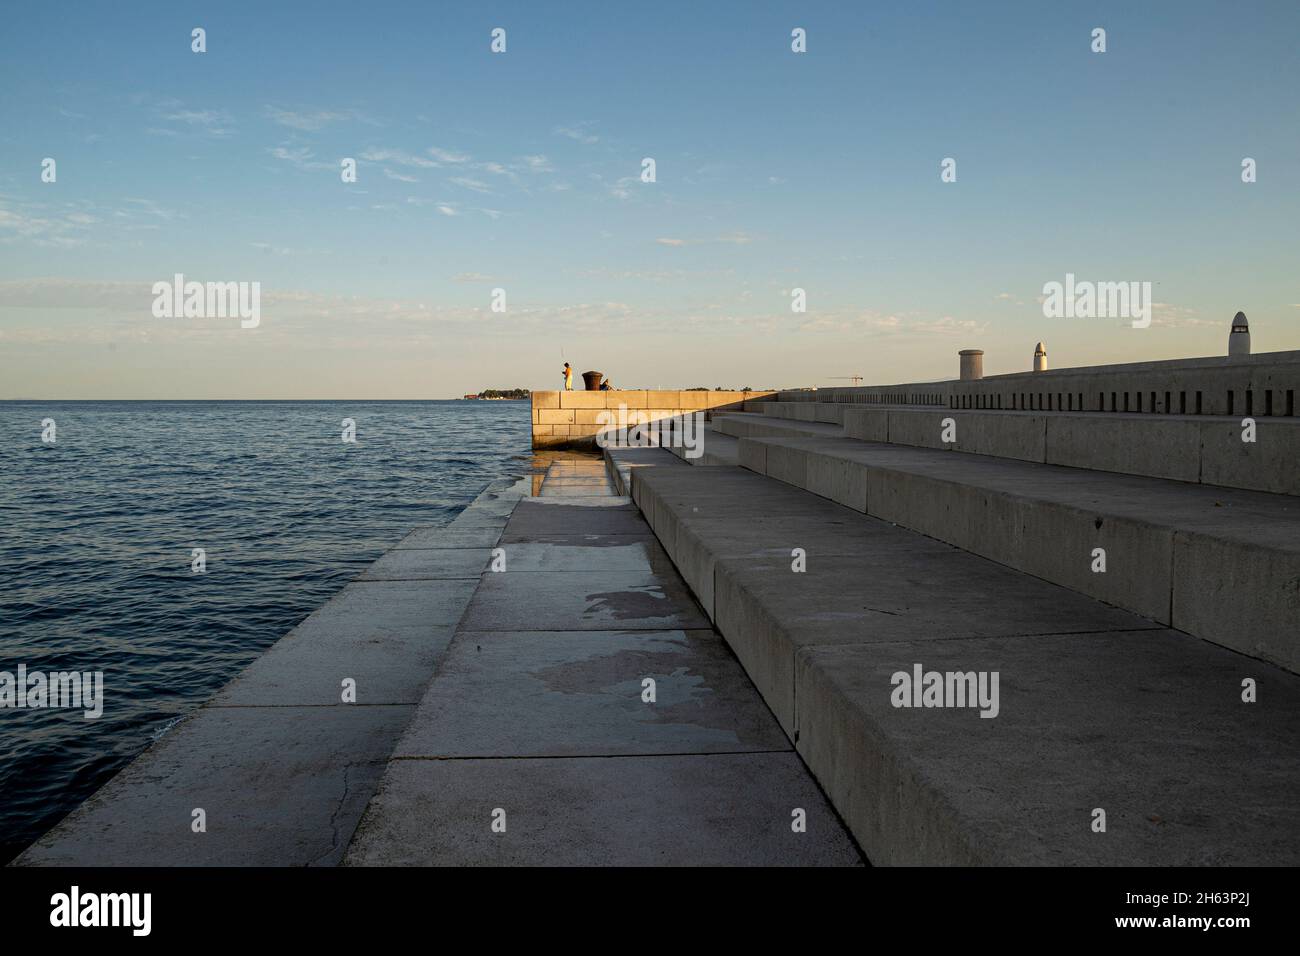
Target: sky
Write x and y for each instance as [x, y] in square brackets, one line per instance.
[522, 171]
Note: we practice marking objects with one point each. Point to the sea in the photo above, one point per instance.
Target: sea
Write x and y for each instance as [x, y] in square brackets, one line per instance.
[100, 534]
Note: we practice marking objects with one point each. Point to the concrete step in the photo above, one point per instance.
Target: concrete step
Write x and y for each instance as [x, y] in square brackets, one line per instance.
[716, 448]
[1222, 564]
[1194, 448]
[1098, 709]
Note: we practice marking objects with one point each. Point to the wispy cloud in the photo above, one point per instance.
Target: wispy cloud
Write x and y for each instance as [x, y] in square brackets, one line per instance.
[578, 132]
[398, 157]
[734, 238]
[400, 177]
[474, 184]
[309, 120]
[447, 156]
[215, 123]
[300, 156]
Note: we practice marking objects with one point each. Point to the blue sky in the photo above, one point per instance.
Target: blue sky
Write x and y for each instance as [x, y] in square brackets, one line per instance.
[521, 171]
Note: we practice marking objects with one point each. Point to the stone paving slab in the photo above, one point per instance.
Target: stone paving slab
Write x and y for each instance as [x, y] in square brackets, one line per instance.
[614, 552]
[383, 635]
[533, 516]
[695, 810]
[427, 564]
[550, 490]
[439, 537]
[273, 794]
[595, 601]
[580, 693]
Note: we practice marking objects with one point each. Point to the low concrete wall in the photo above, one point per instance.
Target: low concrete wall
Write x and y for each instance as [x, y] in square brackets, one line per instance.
[1263, 385]
[573, 419]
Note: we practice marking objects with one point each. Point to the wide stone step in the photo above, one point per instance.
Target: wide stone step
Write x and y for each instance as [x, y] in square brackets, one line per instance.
[1201, 449]
[1100, 714]
[1222, 564]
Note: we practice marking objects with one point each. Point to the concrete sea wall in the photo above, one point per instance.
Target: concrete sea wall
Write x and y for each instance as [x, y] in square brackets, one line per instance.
[573, 419]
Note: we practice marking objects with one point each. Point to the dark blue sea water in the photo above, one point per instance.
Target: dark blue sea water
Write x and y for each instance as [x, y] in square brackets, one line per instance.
[96, 532]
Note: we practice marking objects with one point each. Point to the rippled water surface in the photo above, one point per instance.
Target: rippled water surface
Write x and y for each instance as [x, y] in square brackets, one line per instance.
[96, 532]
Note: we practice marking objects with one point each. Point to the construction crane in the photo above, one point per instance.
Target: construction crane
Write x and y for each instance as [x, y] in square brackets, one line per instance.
[855, 379]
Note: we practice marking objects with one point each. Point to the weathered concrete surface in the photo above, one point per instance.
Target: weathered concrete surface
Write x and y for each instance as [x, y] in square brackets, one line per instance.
[1153, 445]
[1148, 726]
[579, 693]
[1270, 463]
[556, 516]
[1098, 708]
[384, 636]
[1048, 521]
[402, 564]
[593, 601]
[281, 786]
[585, 552]
[621, 461]
[715, 449]
[538, 711]
[437, 537]
[690, 810]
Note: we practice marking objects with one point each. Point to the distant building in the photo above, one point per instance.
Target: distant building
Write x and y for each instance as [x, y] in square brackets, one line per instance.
[471, 398]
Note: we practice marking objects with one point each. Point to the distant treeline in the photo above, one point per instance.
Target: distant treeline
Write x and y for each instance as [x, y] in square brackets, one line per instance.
[505, 393]
[704, 388]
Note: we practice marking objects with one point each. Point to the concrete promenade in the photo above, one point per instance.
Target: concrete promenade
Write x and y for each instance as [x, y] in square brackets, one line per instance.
[572, 706]
[538, 719]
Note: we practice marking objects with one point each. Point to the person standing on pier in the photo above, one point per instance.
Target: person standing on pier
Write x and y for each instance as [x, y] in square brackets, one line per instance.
[568, 378]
